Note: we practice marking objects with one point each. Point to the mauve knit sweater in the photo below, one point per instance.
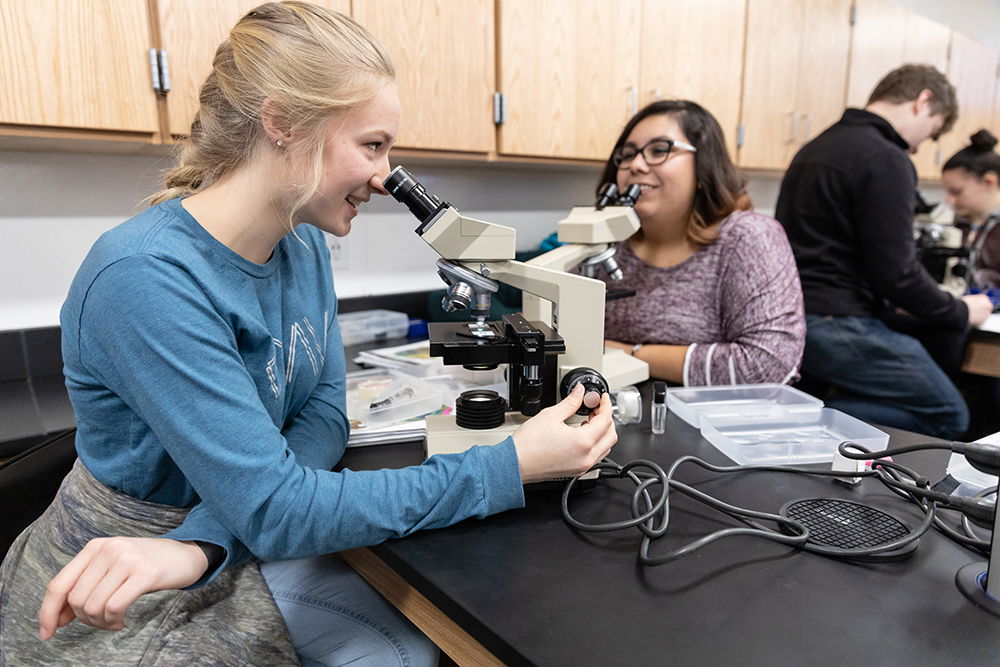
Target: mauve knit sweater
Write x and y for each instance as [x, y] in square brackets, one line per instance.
[737, 303]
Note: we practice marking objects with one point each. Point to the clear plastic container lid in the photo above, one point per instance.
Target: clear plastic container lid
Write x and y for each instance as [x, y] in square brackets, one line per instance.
[802, 441]
[365, 326]
[385, 396]
[743, 404]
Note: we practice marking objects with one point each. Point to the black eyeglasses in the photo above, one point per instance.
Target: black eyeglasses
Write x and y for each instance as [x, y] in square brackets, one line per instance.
[655, 152]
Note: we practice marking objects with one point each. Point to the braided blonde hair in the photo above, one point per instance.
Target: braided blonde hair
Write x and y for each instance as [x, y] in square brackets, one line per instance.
[306, 64]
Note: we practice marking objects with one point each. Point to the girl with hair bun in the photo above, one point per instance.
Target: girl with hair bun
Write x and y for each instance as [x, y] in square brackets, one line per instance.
[971, 178]
[205, 366]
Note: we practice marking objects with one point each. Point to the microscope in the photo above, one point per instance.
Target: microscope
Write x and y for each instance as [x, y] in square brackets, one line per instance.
[940, 246]
[555, 343]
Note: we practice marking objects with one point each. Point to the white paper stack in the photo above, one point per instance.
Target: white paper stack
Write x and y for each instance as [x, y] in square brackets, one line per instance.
[409, 430]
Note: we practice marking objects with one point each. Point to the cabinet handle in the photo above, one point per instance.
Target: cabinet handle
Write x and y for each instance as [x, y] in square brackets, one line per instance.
[164, 72]
[633, 99]
[655, 92]
[154, 69]
[793, 134]
[808, 125]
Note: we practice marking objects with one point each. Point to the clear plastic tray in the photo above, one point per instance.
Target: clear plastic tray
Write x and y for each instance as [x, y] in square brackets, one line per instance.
[384, 396]
[743, 404]
[365, 326]
[792, 443]
[971, 481]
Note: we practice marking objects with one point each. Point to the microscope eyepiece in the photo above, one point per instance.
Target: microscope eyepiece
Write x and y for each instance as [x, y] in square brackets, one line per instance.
[406, 190]
[630, 196]
[606, 195]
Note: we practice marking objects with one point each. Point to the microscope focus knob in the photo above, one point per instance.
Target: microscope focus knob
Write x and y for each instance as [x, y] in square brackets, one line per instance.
[594, 386]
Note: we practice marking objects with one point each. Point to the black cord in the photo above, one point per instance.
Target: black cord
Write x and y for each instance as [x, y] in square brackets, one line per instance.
[983, 458]
[652, 516]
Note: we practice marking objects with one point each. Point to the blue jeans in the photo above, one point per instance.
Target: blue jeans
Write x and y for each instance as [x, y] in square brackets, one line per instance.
[882, 376]
[335, 617]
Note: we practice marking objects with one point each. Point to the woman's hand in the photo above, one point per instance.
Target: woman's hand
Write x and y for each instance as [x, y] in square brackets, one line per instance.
[109, 574]
[980, 308]
[547, 447]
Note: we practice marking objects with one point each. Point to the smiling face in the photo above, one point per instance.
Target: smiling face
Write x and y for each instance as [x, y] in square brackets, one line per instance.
[355, 162]
[667, 188]
[972, 197]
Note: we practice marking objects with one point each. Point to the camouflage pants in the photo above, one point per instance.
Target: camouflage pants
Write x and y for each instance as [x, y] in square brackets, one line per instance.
[232, 620]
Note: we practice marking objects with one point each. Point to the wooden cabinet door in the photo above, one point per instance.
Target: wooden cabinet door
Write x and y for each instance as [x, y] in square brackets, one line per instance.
[81, 64]
[886, 36]
[568, 70]
[877, 43]
[190, 32]
[973, 72]
[445, 67]
[693, 49]
[770, 80]
[927, 42]
[826, 39]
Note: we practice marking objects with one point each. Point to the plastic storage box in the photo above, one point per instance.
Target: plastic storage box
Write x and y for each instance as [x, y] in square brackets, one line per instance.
[770, 424]
[742, 404]
[971, 481]
[366, 326]
[385, 396]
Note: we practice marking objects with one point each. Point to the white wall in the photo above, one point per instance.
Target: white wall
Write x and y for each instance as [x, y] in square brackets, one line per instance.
[976, 18]
[53, 206]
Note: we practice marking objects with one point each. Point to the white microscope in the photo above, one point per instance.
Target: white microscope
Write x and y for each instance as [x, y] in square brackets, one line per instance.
[556, 342]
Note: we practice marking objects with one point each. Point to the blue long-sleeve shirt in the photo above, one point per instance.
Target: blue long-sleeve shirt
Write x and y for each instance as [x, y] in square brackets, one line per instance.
[201, 379]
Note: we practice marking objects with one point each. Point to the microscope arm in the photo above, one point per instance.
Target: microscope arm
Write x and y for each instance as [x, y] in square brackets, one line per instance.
[564, 258]
[579, 306]
[567, 257]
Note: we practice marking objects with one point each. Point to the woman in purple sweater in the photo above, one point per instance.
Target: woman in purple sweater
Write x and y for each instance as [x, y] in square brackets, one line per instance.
[718, 299]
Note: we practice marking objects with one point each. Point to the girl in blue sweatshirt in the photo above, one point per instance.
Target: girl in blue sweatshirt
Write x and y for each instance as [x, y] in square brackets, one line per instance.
[206, 370]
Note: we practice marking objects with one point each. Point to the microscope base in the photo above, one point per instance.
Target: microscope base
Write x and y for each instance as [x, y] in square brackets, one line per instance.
[621, 369]
[971, 580]
[444, 436]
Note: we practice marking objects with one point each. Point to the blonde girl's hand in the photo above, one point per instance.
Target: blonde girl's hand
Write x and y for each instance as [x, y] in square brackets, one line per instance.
[109, 574]
[548, 448]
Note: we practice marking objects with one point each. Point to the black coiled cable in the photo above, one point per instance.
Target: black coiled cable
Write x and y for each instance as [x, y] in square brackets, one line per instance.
[651, 516]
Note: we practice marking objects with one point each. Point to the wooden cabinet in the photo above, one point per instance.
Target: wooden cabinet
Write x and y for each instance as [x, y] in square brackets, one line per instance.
[672, 33]
[795, 75]
[568, 70]
[190, 36]
[973, 71]
[444, 55]
[571, 72]
[886, 36]
[80, 64]
[190, 32]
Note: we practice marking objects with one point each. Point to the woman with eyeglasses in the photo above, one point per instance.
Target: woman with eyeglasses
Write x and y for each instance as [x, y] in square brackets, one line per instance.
[718, 299]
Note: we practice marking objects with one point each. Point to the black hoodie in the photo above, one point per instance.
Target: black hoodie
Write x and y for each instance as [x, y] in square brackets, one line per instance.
[847, 203]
